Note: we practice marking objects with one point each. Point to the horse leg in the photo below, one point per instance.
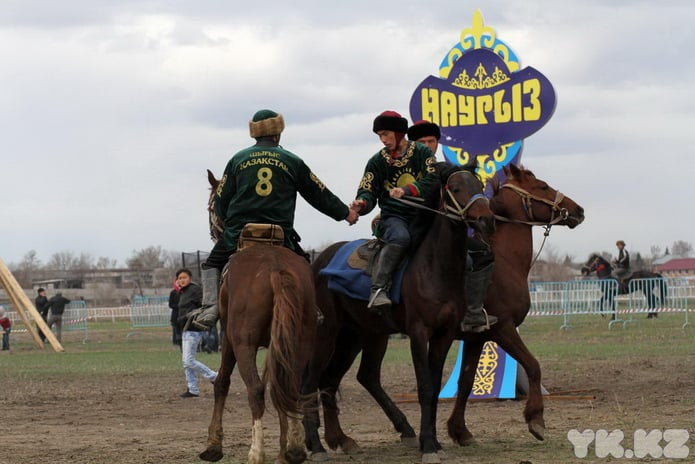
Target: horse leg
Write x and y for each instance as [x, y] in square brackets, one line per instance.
[509, 339]
[369, 376]
[350, 346]
[458, 431]
[213, 452]
[255, 389]
[295, 453]
[310, 385]
[424, 374]
[437, 354]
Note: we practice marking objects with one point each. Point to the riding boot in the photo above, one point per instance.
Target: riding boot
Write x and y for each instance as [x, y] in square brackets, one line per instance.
[387, 262]
[476, 319]
[209, 313]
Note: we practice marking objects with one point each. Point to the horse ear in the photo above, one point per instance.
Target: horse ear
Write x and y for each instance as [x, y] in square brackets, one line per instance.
[211, 178]
[514, 170]
[471, 165]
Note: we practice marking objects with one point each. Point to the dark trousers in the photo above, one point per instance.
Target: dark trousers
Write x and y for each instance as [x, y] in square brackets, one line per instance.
[219, 255]
[6, 339]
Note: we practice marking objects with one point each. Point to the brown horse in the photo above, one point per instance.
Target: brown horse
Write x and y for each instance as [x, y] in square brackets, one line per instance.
[429, 311]
[523, 202]
[266, 300]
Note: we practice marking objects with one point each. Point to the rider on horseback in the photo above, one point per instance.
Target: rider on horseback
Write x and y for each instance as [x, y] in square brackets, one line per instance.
[400, 168]
[622, 263]
[480, 259]
[260, 185]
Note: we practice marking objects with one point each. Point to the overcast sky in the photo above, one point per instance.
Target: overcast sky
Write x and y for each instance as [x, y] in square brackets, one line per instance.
[111, 111]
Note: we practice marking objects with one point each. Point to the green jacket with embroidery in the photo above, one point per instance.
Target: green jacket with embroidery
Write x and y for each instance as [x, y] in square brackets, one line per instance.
[414, 172]
[260, 184]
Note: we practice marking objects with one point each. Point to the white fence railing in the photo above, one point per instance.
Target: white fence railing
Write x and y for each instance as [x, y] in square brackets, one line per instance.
[643, 296]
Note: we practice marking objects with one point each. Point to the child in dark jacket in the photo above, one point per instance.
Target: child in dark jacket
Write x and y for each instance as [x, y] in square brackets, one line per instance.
[6, 325]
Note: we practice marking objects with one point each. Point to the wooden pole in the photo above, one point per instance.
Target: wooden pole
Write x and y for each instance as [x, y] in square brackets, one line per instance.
[23, 306]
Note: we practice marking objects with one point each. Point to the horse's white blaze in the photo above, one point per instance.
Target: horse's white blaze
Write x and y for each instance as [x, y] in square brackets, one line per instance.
[256, 453]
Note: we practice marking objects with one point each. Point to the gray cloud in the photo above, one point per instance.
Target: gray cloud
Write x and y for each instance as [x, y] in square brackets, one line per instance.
[112, 111]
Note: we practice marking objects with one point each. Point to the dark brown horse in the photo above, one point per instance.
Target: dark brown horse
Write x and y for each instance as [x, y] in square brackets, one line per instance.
[651, 284]
[523, 202]
[266, 300]
[429, 312]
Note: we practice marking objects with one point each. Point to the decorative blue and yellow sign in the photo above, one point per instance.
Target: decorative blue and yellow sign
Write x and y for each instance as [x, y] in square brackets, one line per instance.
[483, 101]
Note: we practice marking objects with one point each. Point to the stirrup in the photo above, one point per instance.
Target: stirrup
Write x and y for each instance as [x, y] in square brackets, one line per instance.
[489, 321]
[378, 306]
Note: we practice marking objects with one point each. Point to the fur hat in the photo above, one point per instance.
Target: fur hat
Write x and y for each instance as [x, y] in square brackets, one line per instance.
[423, 128]
[391, 121]
[266, 122]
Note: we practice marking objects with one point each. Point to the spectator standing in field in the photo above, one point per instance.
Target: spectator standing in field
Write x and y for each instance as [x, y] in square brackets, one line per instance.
[6, 325]
[56, 305]
[41, 304]
[190, 298]
[173, 319]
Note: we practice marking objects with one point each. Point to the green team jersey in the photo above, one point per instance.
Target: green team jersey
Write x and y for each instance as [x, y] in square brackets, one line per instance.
[260, 184]
[414, 172]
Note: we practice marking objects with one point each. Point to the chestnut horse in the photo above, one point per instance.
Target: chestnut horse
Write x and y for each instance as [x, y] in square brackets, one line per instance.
[266, 300]
[429, 310]
[521, 203]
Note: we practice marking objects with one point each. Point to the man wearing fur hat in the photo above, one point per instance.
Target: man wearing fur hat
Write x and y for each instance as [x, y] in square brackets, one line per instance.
[480, 259]
[260, 185]
[427, 133]
[400, 168]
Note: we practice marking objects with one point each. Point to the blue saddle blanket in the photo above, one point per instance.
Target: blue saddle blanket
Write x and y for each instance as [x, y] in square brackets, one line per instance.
[354, 282]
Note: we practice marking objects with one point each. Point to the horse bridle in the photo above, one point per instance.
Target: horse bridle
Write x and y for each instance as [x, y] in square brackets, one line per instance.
[527, 198]
[216, 228]
[454, 211]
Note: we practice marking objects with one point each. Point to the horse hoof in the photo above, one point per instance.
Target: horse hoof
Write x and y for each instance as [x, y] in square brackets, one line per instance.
[212, 454]
[350, 446]
[319, 456]
[295, 455]
[410, 442]
[441, 454]
[431, 458]
[537, 430]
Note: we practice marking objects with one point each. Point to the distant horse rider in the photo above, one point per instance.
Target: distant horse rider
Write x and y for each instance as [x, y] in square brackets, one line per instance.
[480, 261]
[622, 263]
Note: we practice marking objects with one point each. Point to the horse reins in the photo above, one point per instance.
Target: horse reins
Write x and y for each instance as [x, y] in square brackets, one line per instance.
[526, 199]
[455, 211]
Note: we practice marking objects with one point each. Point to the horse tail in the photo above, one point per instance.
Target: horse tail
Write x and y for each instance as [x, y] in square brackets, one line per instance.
[283, 367]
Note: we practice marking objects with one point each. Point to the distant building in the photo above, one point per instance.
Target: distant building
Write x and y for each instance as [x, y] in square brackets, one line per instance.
[676, 267]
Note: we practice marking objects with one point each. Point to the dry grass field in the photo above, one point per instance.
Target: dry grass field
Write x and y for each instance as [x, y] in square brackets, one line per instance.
[115, 399]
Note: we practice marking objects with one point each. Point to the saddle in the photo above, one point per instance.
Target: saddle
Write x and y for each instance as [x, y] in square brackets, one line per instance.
[364, 256]
[260, 234]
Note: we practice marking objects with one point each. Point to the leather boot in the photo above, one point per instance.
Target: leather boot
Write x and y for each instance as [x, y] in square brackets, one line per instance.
[476, 318]
[209, 313]
[389, 259]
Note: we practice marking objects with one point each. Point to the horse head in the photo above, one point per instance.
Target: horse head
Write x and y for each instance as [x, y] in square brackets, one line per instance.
[462, 197]
[540, 204]
[215, 222]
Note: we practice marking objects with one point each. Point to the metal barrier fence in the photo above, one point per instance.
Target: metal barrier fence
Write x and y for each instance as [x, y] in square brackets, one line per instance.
[75, 318]
[150, 311]
[600, 297]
